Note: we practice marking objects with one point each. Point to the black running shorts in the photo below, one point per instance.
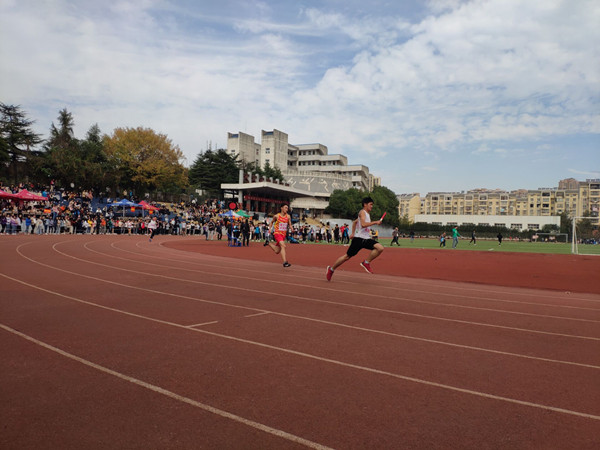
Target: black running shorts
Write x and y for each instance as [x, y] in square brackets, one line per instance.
[358, 244]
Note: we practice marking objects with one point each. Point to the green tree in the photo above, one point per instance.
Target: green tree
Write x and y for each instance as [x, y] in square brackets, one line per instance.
[266, 172]
[585, 227]
[404, 222]
[345, 204]
[62, 156]
[143, 160]
[566, 224]
[95, 163]
[211, 169]
[274, 172]
[385, 201]
[17, 141]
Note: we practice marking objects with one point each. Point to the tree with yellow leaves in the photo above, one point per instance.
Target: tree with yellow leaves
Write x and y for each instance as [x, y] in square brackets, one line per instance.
[144, 160]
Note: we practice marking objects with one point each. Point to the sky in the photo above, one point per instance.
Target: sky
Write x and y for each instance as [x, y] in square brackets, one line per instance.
[432, 96]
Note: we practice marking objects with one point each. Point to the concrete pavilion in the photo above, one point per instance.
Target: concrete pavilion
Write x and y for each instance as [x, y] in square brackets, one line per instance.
[264, 195]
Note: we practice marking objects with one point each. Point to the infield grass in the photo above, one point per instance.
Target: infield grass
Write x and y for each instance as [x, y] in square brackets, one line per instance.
[489, 245]
[492, 245]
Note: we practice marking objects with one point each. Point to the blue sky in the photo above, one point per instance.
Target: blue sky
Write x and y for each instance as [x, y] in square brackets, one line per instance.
[442, 95]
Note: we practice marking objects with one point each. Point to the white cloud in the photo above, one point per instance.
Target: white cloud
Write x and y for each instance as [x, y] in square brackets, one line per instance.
[586, 173]
[482, 78]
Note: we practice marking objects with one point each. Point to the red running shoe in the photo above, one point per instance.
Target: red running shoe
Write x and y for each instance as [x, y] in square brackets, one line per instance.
[365, 265]
[329, 273]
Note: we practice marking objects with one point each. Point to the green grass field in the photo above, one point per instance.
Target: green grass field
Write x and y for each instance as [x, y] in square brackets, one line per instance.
[492, 245]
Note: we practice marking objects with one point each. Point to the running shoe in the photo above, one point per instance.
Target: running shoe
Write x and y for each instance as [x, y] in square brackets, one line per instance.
[266, 243]
[286, 264]
[365, 265]
[329, 273]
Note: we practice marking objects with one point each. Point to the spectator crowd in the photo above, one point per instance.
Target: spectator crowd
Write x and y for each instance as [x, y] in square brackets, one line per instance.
[80, 212]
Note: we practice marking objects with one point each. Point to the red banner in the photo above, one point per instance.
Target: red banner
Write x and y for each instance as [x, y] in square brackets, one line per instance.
[263, 199]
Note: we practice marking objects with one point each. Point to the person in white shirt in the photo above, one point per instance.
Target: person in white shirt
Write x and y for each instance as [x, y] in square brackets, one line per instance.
[361, 238]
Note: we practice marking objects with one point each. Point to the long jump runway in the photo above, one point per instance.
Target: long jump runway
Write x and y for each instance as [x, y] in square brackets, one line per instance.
[116, 342]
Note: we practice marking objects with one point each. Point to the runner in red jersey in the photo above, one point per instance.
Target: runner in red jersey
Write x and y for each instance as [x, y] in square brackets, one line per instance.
[278, 229]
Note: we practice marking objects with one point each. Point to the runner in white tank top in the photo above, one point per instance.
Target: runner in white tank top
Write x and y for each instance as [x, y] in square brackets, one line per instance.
[363, 232]
[361, 238]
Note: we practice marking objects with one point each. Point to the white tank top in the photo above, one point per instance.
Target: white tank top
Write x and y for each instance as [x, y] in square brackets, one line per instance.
[363, 233]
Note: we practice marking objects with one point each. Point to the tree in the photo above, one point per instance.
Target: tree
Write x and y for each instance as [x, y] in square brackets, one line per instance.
[266, 172]
[385, 201]
[211, 169]
[550, 228]
[142, 160]
[566, 224]
[17, 139]
[404, 222]
[274, 172]
[345, 204]
[585, 227]
[95, 163]
[63, 162]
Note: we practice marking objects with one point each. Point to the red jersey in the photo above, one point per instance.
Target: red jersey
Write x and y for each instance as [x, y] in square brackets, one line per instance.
[280, 224]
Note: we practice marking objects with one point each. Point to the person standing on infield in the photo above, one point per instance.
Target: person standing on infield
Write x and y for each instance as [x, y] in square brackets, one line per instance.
[473, 238]
[278, 230]
[455, 237]
[395, 234]
[361, 238]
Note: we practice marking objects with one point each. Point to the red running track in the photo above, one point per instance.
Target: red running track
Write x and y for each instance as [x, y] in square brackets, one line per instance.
[115, 342]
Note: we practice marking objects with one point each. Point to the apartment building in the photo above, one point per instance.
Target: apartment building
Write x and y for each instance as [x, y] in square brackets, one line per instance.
[571, 196]
[409, 205]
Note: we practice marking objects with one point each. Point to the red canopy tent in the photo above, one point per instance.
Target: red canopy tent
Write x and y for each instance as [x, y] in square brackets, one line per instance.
[26, 195]
[147, 206]
[4, 194]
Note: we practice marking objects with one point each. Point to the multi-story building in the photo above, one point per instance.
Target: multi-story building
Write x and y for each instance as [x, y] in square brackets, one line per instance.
[589, 198]
[304, 166]
[409, 205]
[572, 197]
[243, 145]
[275, 150]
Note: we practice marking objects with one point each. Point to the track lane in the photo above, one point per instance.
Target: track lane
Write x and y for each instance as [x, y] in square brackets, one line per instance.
[271, 328]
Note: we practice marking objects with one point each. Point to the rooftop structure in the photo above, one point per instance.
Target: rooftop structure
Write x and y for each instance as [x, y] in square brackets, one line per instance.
[306, 166]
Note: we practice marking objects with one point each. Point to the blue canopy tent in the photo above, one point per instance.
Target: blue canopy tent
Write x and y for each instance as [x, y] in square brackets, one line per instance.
[124, 203]
[232, 241]
[231, 215]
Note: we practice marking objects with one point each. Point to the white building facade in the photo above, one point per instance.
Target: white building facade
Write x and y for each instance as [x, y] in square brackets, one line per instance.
[309, 167]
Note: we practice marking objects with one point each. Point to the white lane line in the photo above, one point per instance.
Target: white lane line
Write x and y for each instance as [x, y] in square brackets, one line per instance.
[326, 322]
[442, 284]
[202, 324]
[211, 409]
[259, 314]
[366, 294]
[322, 359]
[305, 318]
[383, 286]
[297, 297]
